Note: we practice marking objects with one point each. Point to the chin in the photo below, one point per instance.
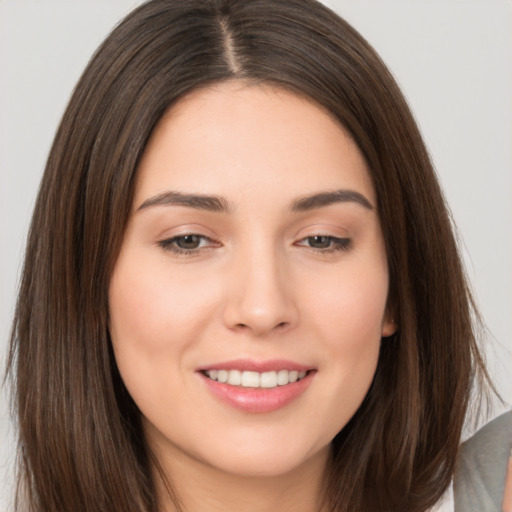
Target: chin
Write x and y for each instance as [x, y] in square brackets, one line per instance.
[271, 460]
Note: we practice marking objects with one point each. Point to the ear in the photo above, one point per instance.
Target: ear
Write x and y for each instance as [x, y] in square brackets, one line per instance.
[389, 326]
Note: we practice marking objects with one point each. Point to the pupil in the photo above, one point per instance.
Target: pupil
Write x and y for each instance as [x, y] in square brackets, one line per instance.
[320, 242]
[188, 242]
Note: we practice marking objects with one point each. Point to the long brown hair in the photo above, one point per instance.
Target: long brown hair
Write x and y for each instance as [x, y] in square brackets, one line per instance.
[81, 443]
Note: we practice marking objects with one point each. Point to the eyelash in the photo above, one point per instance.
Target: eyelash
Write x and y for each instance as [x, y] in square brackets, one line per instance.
[335, 244]
[170, 244]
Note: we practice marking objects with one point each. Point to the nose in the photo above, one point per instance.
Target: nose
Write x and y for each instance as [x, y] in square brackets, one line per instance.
[260, 298]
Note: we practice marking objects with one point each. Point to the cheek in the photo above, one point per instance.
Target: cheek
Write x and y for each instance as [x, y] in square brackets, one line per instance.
[137, 322]
[357, 331]
[154, 324]
[348, 318]
[152, 309]
[350, 307]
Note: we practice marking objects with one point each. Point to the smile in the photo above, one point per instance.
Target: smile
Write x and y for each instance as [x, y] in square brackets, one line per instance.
[257, 386]
[251, 379]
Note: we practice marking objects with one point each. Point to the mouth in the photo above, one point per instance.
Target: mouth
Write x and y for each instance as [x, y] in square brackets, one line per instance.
[253, 379]
[257, 387]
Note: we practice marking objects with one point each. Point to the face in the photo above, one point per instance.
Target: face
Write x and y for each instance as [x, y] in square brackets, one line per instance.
[248, 302]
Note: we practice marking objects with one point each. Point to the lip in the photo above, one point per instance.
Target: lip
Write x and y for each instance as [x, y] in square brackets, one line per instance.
[250, 365]
[257, 400]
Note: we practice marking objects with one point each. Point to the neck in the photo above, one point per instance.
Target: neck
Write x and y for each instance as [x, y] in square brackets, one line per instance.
[202, 488]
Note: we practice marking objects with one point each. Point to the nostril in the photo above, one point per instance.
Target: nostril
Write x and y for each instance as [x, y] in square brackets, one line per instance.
[279, 326]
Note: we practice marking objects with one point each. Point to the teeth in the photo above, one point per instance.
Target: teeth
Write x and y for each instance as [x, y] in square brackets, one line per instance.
[268, 380]
[255, 379]
[293, 376]
[235, 378]
[282, 377]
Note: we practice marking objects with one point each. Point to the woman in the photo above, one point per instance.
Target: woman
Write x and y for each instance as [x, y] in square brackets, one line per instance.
[241, 288]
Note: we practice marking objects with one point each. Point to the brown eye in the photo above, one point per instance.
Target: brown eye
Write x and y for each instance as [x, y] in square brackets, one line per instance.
[188, 241]
[189, 244]
[326, 243]
[320, 241]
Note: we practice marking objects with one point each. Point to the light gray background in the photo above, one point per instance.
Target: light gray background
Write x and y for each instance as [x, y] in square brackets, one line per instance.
[451, 57]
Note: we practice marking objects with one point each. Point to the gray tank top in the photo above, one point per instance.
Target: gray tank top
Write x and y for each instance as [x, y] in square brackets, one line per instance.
[479, 481]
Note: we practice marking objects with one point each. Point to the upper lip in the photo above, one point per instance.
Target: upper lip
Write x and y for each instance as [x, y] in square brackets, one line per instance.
[251, 365]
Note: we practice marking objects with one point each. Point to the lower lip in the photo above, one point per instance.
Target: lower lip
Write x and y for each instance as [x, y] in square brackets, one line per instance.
[258, 400]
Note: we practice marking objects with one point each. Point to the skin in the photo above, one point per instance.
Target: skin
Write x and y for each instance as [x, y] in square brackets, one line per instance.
[507, 497]
[256, 287]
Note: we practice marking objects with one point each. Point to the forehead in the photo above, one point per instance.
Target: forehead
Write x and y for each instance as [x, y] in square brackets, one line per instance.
[243, 140]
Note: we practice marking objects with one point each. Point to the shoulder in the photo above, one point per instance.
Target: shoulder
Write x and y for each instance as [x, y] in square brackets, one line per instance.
[480, 477]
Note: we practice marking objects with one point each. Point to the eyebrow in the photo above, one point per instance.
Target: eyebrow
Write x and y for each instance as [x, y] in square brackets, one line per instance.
[219, 204]
[327, 198]
[197, 201]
